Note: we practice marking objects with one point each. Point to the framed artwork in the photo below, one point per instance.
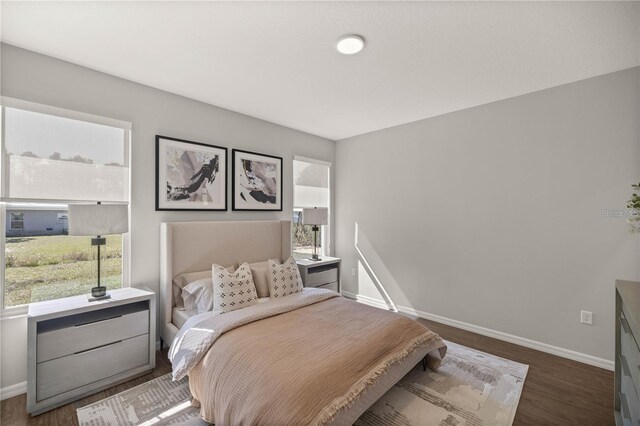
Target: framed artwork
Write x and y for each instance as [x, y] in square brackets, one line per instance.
[257, 181]
[190, 175]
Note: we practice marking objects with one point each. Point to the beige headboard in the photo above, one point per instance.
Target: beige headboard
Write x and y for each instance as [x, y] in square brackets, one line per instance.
[195, 246]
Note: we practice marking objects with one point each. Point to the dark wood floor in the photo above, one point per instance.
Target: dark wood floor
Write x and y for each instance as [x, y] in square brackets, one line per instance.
[556, 391]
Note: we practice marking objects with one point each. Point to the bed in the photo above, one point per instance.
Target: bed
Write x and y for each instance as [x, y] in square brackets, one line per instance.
[193, 246]
[313, 357]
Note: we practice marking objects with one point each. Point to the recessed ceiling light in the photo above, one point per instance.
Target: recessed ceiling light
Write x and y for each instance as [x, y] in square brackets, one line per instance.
[350, 44]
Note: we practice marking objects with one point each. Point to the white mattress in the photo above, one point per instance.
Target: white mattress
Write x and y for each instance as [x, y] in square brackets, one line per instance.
[179, 315]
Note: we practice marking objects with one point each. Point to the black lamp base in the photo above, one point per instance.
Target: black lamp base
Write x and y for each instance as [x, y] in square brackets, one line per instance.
[98, 291]
[315, 256]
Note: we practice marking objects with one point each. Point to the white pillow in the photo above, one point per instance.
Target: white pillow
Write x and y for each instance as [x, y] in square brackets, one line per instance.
[189, 277]
[198, 296]
[233, 290]
[190, 301]
[284, 279]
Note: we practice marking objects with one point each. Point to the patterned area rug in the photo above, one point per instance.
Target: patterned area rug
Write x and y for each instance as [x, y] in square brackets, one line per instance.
[471, 388]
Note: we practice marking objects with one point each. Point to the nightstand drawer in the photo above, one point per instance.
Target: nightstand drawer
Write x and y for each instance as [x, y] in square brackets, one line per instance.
[628, 391]
[624, 411]
[70, 372]
[629, 352]
[321, 275]
[91, 334]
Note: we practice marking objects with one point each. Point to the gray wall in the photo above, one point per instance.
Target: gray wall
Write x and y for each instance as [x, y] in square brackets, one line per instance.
[37, 78]
[493, 215]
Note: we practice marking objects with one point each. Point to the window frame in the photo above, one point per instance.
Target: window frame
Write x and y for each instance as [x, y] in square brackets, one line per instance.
[11, 220]
[326, 234]
[7, 102]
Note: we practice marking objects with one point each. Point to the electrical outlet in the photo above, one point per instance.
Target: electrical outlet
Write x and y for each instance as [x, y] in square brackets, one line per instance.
[353, 272]
[586, 317]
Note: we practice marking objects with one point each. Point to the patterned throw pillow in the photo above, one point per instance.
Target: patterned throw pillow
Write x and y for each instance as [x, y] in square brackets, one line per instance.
[284, 279]
[233, 290]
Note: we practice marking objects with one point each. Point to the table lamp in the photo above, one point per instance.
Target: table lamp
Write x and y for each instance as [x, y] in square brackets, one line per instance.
[98, 220]
[315, 216]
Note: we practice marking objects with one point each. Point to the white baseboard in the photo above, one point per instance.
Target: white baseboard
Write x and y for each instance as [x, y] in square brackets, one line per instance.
[13, 390]
[533, 344]
[367, 300]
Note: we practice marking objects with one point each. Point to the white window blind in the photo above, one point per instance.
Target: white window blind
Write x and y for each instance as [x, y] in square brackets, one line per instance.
[311, 184]
[49, 157]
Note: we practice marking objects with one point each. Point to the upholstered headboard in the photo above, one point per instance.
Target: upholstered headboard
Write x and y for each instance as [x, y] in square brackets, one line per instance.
[195, 246]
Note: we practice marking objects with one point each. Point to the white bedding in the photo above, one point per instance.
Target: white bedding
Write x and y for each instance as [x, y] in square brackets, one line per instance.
[180, 316]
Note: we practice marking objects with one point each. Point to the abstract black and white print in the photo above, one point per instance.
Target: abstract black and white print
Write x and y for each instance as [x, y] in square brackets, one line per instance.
[190, 175]
[257, 181]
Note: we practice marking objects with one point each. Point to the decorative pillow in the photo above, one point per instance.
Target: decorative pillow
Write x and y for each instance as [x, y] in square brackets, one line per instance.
[259, 271]
[233, 290]
[196, 293]
[284, 279]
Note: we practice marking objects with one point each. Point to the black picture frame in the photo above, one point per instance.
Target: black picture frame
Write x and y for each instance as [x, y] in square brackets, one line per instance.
[252, 205]
[175, 206]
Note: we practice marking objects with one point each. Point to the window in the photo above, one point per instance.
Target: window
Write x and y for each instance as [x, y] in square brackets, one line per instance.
[49, 159]
[16, 221]
[310, 189]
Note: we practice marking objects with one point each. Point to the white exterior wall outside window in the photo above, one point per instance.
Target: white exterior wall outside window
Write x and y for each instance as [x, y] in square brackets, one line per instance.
[311, 188]
[51, 158]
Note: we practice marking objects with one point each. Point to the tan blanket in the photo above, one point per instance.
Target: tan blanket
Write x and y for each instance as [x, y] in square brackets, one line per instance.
[305, 365]
[200, 331]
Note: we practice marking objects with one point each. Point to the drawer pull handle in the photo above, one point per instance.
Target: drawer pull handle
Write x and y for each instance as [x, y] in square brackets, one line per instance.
[625, 324]
[625, 366]
[97, 347]
[100, 320]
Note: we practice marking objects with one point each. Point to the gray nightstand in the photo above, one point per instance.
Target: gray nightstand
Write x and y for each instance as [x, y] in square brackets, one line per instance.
[323, 273]
[77, 347]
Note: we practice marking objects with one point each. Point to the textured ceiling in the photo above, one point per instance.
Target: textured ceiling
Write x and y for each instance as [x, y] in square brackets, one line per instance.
[277, 61]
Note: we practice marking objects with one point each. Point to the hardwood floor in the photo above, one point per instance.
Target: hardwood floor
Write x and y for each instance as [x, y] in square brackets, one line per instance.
[556, 391]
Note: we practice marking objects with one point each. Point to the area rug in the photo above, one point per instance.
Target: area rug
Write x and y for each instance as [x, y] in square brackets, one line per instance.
[471, 388]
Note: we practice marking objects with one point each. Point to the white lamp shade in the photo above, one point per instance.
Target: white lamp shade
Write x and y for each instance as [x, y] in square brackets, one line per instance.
[98, 219]
[315, 216]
